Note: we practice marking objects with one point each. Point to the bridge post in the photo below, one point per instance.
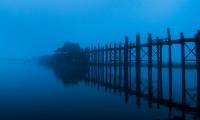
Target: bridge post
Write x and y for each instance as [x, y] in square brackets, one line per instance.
[170, 64]
[98, 65]
[130, 65]
[120, 65]
[87, 55]
[138, 62]
[103, 65]
[110, 50]
[198, 67]
[89, 63]
[160, 68]
[115, 66]
[183, 69]
[126, 69]
[150, 87]
[183, 72]
[95, 64]
[159, 64]
[106, 50]
[138, 69]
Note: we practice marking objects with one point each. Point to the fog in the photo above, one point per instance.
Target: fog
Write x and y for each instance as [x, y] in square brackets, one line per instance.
[30, 28]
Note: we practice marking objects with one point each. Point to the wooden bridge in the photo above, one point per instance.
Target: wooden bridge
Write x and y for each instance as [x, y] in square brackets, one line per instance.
[110, 67]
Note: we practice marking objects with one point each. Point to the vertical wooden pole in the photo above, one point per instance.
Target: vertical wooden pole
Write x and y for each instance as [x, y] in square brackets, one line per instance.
[161, 64]
[126, 69]
[106, 83]
[98, 65]
[158, 66]
[183, 69]
[120, 65]
[198, 67]
[103, 66]
[110, 81]
[91, 58]
[170, 65]
[138, 63]
[138, 69]
[159, 71]
[150, 87]
[115, 67]
[183, 72]
[88, 56]
[89, 63]
[130, 66]
[94, 64]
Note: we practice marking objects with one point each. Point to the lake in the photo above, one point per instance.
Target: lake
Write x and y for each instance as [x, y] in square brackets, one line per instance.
[35, 92]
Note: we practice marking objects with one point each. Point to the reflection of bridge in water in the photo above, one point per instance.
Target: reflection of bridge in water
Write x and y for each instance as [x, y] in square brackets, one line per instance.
[111, 67]
[97, 77]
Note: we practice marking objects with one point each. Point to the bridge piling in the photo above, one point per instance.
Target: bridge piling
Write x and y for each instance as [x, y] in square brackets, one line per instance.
[183, 69]
[110, 65]
[106, 80]
[95, 64]
[98, 64]
[198, 67]
[115, 66]
[170, 64]
[138, 69]
[130, 65]
[159, 68]
[138, 62]
[126, 68]
[120, 65]
[150, 87]
[103, 66]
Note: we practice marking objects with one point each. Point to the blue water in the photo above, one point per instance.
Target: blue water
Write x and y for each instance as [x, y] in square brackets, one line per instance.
[31, 91]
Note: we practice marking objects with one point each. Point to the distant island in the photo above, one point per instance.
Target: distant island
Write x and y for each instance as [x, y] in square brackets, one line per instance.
[68, 62]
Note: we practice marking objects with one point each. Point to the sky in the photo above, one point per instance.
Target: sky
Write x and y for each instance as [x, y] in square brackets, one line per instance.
[30, 28]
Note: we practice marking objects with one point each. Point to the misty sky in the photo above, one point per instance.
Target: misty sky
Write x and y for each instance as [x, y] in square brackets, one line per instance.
[37, 27]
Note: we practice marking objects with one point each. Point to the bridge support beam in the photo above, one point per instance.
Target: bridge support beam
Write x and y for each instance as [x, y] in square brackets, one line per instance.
[183, 69]
[198, 67]
[110, 66]
[150, 86]
[159, 64]
[106, 78]
[170, 64]
[126, 68]
[120, 65]
[115, 66]
[130, 66]
[95, 64]
[98, 65]
[138, 68]
[103, 66]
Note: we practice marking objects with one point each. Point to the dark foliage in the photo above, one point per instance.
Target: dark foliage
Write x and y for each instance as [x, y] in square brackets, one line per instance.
[68, 63]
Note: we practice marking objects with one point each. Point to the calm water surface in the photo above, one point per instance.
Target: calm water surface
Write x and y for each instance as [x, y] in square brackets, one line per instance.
[31, 91]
